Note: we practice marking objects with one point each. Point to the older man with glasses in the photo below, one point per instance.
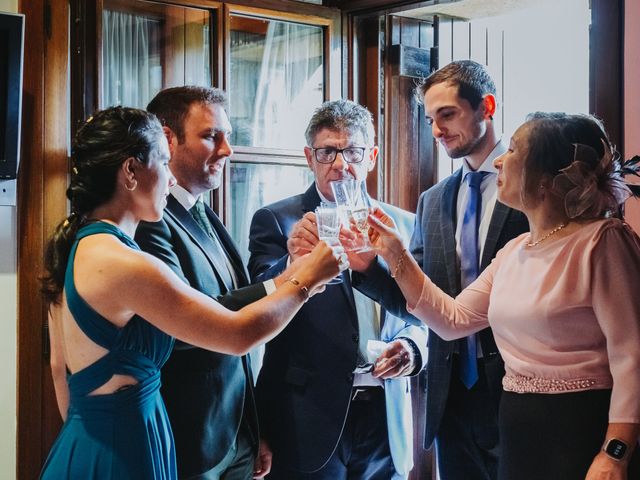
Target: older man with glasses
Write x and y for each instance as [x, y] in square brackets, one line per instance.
[333, 393]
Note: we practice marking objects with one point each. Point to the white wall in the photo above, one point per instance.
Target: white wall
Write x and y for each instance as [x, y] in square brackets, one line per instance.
[8, 325]
[538, 58]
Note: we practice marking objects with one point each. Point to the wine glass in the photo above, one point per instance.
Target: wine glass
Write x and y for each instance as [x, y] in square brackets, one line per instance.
[354, 207]
[328, 223]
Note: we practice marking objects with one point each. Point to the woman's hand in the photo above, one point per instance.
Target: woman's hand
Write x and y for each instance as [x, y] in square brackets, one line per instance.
[322, 264]
[606, 468]
[384, 236]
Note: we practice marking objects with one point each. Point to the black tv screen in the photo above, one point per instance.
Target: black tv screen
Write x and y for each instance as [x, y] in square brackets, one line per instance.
[11, 59]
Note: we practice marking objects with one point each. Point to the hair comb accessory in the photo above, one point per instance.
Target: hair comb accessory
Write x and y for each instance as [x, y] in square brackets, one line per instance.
[90, 119]
[632, 167]
[592, 186]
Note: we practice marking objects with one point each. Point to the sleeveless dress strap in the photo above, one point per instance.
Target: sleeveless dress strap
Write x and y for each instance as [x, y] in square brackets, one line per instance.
[93, 325]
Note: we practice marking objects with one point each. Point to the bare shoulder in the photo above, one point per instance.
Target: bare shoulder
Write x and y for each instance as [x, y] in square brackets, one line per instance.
[104, 265]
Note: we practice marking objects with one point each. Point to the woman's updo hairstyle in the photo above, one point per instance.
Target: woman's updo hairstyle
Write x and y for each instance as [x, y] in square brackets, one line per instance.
[575, 153]
[100, 146]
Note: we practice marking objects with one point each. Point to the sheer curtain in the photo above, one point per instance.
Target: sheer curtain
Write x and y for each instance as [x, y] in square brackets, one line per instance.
[246, 57]
[131, 71]
[289, 85]
[256, 185]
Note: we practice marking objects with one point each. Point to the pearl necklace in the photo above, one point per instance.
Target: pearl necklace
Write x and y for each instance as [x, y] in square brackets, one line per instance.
[544, 237]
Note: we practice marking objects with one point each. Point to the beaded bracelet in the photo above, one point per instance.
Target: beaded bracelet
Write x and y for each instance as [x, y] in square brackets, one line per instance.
[399, 264]
[304, 290]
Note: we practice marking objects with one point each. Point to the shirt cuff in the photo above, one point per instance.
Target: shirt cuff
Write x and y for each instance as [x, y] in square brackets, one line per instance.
[415, 358]
[269, 286]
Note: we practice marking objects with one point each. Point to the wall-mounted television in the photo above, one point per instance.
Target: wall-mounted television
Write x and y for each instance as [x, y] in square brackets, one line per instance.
[11, 59]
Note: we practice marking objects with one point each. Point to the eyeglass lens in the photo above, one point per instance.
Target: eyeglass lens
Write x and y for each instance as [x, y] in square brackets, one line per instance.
[350, 154]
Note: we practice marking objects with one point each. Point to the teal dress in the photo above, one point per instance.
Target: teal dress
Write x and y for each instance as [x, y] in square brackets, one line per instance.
[124, 435]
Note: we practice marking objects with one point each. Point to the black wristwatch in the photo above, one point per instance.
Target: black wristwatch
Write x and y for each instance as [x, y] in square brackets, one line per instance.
[615, 448]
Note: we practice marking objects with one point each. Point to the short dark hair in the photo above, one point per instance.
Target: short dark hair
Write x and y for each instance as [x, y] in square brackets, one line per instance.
[339, 115]
[172, 105]
[471, 78]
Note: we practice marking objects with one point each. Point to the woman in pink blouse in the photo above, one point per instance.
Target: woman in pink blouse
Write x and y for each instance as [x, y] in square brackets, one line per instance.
[562, 301]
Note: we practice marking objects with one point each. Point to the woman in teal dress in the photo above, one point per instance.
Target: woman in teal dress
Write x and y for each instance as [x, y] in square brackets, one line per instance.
[113, 307]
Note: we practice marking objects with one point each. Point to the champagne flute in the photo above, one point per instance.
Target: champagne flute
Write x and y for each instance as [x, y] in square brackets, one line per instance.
[354, 204]
[328, 223]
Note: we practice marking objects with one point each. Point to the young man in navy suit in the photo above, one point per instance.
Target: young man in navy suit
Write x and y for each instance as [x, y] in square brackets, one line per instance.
[324, 418]
[464, 377]
[208, 395]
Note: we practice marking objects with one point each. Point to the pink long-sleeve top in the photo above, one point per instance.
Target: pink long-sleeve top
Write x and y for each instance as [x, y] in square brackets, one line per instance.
[565, 314]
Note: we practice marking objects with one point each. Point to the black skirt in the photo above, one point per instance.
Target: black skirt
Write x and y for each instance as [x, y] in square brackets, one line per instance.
[553, 436]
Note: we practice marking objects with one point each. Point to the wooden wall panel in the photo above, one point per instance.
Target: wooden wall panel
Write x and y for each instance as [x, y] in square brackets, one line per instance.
[41, 205]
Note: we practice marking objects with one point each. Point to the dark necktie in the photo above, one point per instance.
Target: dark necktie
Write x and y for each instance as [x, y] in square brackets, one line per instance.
[200, 216]
[469, 270]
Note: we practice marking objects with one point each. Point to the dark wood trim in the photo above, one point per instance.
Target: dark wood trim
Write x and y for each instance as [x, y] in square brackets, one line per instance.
[41, 205]
[84, 57]
[381, 6]
[606, 66]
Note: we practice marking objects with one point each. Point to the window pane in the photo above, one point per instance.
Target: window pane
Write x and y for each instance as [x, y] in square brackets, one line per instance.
[148, 46]
[276, 82]
[256, 185]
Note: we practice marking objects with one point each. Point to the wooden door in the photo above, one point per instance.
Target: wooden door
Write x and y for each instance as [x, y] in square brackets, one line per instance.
[390, 54]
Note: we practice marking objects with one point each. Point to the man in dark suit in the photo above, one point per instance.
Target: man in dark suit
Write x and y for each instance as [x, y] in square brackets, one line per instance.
[323, 417]
[208, 395]
[464, 377]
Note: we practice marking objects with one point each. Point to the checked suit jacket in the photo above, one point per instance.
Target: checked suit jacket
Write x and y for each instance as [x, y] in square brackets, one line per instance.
[433, 245]
[204, 392]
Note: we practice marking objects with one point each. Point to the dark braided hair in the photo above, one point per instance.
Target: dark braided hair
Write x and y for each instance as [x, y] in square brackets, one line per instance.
[100, 147]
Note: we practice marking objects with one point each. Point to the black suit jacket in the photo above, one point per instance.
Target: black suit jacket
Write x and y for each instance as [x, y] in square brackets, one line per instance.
[304, 386]
[433, 245]
[204, 391]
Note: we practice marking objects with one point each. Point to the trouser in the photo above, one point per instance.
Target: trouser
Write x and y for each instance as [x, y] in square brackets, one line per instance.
[363, 450]
[467, 446]
[237, 464]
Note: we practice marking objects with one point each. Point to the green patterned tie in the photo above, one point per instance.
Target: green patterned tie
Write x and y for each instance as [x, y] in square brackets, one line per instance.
[200, 216]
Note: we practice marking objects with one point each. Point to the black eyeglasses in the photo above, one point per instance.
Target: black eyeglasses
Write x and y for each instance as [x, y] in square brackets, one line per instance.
[328, 155]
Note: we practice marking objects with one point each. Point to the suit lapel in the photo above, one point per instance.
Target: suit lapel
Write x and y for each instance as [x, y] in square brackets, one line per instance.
[310, 199]
[447, 226]
[498, 220]
[184, 218]
[229, 247]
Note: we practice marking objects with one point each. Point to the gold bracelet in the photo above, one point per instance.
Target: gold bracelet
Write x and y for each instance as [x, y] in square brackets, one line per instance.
[399, 263]
[304, 290]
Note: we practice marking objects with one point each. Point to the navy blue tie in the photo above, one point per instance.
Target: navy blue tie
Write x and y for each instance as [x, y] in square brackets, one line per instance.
[469, 270]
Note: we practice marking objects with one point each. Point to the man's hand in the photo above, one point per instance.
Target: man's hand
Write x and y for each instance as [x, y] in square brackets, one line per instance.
[395, 361]
[262, 464]
[303, 236]
[360, 262]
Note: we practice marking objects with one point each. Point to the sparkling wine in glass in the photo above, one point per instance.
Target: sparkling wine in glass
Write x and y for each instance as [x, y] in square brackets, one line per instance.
[328, 223]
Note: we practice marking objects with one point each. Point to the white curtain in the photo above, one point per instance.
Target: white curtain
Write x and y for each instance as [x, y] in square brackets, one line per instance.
[132, 74]
[289, 85]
